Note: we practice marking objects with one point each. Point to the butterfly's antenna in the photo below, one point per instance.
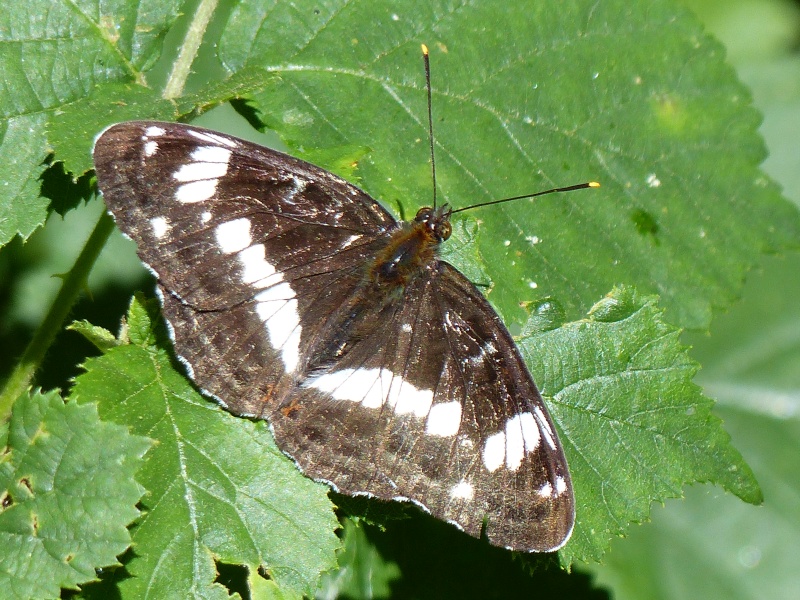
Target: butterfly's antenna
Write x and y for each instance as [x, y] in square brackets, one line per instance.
[430, 116]
[569, 188]
[580, 186]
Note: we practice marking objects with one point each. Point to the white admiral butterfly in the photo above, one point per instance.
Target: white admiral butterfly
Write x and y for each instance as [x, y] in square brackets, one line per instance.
[295, 297]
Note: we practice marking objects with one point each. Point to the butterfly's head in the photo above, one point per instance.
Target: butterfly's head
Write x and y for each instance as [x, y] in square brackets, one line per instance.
[436, 221]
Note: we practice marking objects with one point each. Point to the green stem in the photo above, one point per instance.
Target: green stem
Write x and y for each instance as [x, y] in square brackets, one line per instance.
[191, 44]
[71, 286]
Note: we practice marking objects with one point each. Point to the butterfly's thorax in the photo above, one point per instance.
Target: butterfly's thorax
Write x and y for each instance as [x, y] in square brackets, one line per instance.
[411, 248]
[409, 253]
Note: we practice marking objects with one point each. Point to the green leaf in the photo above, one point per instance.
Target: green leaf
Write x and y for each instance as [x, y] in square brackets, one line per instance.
[218, 488]
[633, 425]
[66, 494]
[22, 156]
[362, 572]
[45, 59]
[266, 589]
[101, 338]
[715, 547]
[51, 61]
[528, 96]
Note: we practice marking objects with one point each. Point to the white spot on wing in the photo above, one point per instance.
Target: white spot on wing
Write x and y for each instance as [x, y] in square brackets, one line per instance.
[406, 398]
[376, 392]
[463, 490]
[154, 131]
[546, 490]
[447, 319]
[196, 191]
[200, 177]
[347, 384]
[331, 383]
[205, 217]
[282, 292]
[256, 270]
[233, 236]
[349, 241]
[212, 154]
[520, 436]
[281, 327]
[373, 388]
[150, 148]
[357, 385]
[290, 353]
[561, 485]
[199, 171]
[494, 451]
[406, 327]
[270, 301]
[277, 308]
[530, 431]
[444, 419]
[160, 226]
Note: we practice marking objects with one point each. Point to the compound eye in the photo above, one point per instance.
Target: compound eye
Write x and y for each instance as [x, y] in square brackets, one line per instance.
[423, 214]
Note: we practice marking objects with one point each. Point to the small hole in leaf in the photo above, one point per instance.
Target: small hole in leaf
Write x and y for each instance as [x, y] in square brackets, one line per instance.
[69, 557]
[27, 483]
[234, 578]
[35, 524]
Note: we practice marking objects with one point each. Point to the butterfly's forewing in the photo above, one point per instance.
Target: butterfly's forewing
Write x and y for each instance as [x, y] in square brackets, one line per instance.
[206, 210]
[417, 391]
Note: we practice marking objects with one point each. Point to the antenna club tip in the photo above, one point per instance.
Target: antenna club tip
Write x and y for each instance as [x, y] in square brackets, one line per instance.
[594, 184]
[424, 49]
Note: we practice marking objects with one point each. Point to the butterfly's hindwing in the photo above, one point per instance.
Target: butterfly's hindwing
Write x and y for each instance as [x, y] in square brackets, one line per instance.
[416, 384]
[275, 279]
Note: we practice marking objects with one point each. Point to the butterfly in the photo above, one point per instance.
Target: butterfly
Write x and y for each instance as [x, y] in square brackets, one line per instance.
[295, 297]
